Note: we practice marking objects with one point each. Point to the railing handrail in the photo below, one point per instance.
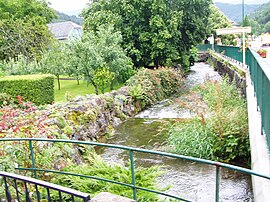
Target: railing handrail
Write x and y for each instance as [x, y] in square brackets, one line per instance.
[44, 184]
[132, 185]
[264, 66]
[189, 158]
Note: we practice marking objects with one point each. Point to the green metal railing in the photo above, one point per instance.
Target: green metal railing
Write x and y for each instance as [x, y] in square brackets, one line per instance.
[230, 51]
[131, 151]
[260, 76]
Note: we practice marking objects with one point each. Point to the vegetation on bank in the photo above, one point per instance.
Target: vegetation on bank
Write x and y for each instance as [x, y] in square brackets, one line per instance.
[220, 129]
[79, 119]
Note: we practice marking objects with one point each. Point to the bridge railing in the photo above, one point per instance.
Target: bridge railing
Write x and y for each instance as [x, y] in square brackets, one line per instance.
[260, 76]
[131, 151]
[11, 182]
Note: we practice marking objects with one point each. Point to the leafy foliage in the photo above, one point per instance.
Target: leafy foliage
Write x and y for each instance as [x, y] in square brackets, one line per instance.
[223, 135]
[34, 88]
[150, 86]
[103, 77]
[95, 166]
[19, 9]
[27, 37]
[259, 19]
[54, 61]
[23, 29]
[19, 66]
[155, 32]
[97, 51]
[218, 20]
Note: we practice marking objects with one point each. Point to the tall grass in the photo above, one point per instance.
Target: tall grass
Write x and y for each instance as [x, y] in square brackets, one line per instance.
[223, 135]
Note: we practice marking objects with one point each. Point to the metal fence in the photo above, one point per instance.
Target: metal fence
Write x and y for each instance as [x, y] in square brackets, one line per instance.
[11, 182]
[131, 151]
[260, 76]
[230, 51]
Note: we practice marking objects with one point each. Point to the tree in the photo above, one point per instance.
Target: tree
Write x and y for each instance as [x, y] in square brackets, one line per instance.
[100, 52]
[218, 20]
[103, 77]
[23, 29]
[23, 37]
[26, 9]
[20, 66]
[54, 61]
[266, 27]
[155, 32]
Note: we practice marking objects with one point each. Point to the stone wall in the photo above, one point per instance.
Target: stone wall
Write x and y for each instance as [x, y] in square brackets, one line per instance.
[228, 69]
[89, 117]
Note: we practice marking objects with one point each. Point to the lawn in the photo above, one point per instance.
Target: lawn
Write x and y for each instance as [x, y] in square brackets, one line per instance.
[71, 88]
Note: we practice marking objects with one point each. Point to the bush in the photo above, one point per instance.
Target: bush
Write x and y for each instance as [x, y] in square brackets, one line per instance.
[35, 88]
[97, 167]
[223, 135]
[151, 86]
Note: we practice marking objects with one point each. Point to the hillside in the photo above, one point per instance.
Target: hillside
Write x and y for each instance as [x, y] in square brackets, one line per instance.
[262, 14]
[64, 17]
[234, 11]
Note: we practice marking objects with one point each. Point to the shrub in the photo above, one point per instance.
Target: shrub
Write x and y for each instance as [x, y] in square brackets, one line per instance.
[35, 88]
[151, 86]
[223, 136]
[229, 120]
[96, 166]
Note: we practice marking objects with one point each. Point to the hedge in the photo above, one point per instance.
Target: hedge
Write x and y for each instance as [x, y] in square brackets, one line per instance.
[38, 88]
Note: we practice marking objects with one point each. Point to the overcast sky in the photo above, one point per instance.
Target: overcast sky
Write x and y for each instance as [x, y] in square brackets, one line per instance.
[68, 6]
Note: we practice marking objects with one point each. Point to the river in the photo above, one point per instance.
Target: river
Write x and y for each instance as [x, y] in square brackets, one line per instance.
[192, 181]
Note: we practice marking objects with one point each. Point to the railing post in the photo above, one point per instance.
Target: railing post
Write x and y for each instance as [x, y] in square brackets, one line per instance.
[32, 158]
[217, 182]
[131, 155]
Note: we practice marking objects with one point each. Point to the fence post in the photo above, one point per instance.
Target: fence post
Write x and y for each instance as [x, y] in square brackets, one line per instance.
[217, 182]
[131, 155]
[32, 158]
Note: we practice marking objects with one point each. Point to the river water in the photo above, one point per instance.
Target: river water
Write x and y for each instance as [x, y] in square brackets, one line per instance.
[189, 180]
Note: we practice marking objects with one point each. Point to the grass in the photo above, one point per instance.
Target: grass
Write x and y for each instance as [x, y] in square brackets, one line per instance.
[73, 89]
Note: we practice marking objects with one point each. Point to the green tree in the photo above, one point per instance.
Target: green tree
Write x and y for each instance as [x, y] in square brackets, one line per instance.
[246, 21]
[103, 77]
[54, 61]
[155, 32]
[20, 9]
[23, 37]
[266, 27]
[218, 20]
[101, 50]
[260, 18]
[23, 29]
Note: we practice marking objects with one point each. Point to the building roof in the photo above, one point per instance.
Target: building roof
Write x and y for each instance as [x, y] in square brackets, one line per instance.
[61, 30]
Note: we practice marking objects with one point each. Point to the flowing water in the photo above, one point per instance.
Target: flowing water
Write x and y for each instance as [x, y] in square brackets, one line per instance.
[189, 180]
